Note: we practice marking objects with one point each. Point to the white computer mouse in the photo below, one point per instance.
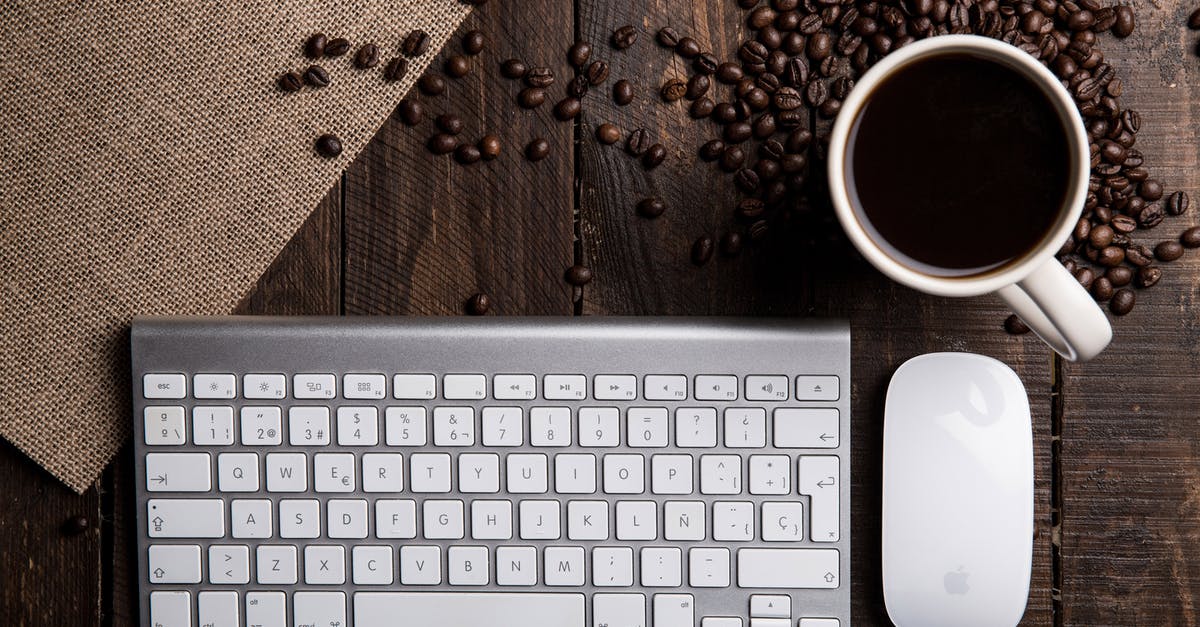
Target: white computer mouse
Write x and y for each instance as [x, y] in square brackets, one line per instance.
[957, 493]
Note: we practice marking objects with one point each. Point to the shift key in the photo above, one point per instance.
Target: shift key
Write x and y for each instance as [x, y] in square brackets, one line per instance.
[185, 518]
[787, 568]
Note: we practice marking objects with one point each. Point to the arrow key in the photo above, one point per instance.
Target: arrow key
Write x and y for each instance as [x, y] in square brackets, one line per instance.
[229, 564]
[174, 563]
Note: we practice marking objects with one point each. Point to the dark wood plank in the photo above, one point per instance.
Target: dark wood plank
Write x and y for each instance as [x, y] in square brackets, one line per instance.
[424, 233]
[1130, 441]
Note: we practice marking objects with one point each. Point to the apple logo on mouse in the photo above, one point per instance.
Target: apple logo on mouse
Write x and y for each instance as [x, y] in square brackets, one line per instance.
[955, 581]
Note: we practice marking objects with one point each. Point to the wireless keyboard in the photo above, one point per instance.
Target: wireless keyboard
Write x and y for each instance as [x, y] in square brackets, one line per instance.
[500, 472]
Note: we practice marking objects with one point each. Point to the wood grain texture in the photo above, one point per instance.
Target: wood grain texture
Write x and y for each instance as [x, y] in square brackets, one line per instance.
[1131, 439]
[424, 233]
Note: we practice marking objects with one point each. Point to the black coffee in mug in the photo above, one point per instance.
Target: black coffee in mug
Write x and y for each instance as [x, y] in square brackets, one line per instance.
[958, 165]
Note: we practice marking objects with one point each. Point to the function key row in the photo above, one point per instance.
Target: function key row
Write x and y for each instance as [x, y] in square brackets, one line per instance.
[514, 387]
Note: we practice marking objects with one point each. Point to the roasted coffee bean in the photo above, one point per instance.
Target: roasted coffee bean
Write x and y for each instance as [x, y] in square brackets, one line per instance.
[841, 87]
[314, 48]
[367, 56]
[654, 156]
[793, 42]
[432, 84]
[290, 82]
[449, 123]
[1113, 152]
[597, 72]
[1085, 276]
[1177, 203]
[336, 47]
[1102, 289]
[467, 154]
[472, 42]
[753, 52]
[731, 244]
[1123, 224]
[1119, 276]
[316, 76]
[820, 46]
[761, 17]
[768, 83]
[738, 132]
[772, 149]
[729, 73]
[767, 169]
[687, 48]
[770, 37]
[1193, 21]
[1148, 276]
[1124, 24]
[608, 134]
[1122, 302]
[624, 37]
[1083, 227]
[457, 66]
[1190, 238]
[758, 230]
[697, 86]
[1151, 190]
[542, 77]
[1139, 255]
[705, 63]
[410, 112]
[750, 209]
[667, 37]
[1150, 216]
[747, 180]
[1168, 251]
[537, 149]
[415, 44]
[1110, 256]
[578, 87]
[792, 163]
[1100, 236]
[442, 144]
[815, 93]
[798, 140]
[489, 147]
[567, 109]
[733, 158]
[673, 90]
[702, 250]
[578, 275]
[531, 97]
[786, 99]
[622, 92]
[791, 119]
[328, 146]
[701, 108]
[479, 304]
[757, 98]
[579, 53]
[712, 150]
[725, 112]
[796, 72]
[75, 525]
[651, 207]
[513, 68]
[1015, 326]
[637, 142]
[764, 126]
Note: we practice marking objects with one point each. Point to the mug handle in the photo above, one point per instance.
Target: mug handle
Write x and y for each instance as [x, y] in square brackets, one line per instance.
[1060, 311]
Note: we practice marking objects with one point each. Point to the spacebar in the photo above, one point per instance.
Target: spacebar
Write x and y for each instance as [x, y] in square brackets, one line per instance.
[468, 609]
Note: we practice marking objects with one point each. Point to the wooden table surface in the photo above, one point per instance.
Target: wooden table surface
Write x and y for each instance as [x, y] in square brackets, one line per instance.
[1117, 440]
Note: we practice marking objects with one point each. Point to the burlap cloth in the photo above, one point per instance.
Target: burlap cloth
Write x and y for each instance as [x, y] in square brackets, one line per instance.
[152, 167]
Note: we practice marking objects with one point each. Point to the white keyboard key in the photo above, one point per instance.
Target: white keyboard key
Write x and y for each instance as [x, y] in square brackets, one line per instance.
[491, 520]
[575, 473]
[674, 610]
[817, 388]
[684, 520]
[264, 386]
[364, 386]
[733, 521]
[503, 426]
[174, 563]
[745, 427]
[599, 426]
[334, 472]
[228, 564]
[166, 385]
[637, 520]
[787, 568]
[514, 387]
[171, 609]
[299, 518]
[276, 565]
[516, 566]
[219, 609]
[237, 472]
[713, 387]
[770, 474]
[382, 472]
[770, 622]
[185, 518]
[696, 427]
[815, 427]
[647, 426]
[671, 474]
[308, 426]
[767, 387]
[467, 565]
[587, 520]
[266, 609]
[346, 518]
[420, 566]
[324, 565]
[662, 567]
[721, 621]
[222, 386]
[783, 522]
[442, 520]
[612, 566]
[708, 567]
[563, 565]
[381, 609]
[539, 520]
[720, 474]
[819, 622]
[178, 472]
[820, 479]
[395, 519]
[261, 426]
[310, 386]
[527, 473]
[614, 387]
[770, 606]
[454, 426]
[564, 387]
[619, 610]
[358, 426]
[479, 473]
[466, 387]
[372, 565]
[287, 472]
[164, 425]
[250, 518]
[319, 608]
[212, 426]
[665, 387]
[415, 387]
[624, 474]
[405, 426]
[429, 472]
[550, 426]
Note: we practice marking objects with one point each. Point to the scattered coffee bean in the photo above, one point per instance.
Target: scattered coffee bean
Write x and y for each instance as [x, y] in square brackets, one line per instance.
[579, 53]
[738, 132]
[1110, 256]
[1102, 289]
[578, 87]
[687, 48]
[667, 37]
[654, 156]
[731, 244]
[702, 250]
[578, 275]
[638, 142]
[531, 97]
[729, 73]
[1168, 251]
[513, 68]
[750, 209]
[410, 112]
[290, 82]
[1119, 276]
[1015, 326]
[415, 44]
[1177, 204]
[733, 158]
[597, 72]
[622, 92]
[608, 134]
[624, 37]
[673, 90]
[712, 149]
[467, 154]
[479, 304]
[314, 48]
[396, 69]
[367, 56]
[1148, 276]
[328, 146]
[705, 63]
[1122, 302]
[539, 77]
[489, 147]
[567, 108]
[1123, 25]
[432, 84]
[442, 144]
[651, 207]
[1193, 21]
[747, 180]
[457, 66]
[449, 123]
[75, 525]
[1120, 224]
[537, 150]
[336, 47]
[473, 41]
[1101, 236]
[316, 76]
[1190, 238]
[701, 108]
[757, 98]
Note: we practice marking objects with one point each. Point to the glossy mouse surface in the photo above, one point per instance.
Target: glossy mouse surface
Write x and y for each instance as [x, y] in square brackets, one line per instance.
[957, 493]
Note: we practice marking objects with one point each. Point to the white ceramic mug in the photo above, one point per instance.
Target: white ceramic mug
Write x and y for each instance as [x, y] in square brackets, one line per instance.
[1036, 286]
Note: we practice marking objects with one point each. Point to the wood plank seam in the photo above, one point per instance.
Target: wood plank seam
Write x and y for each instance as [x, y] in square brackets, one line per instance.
[1056, 486]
